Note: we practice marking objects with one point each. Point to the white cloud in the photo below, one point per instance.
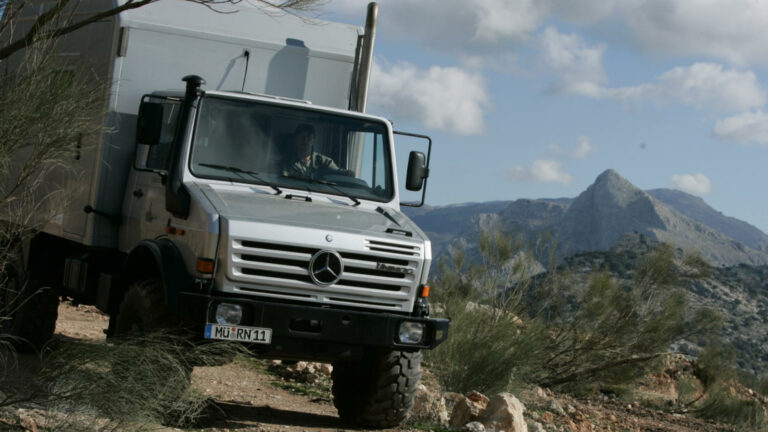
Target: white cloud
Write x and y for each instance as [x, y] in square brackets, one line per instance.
[746, 128]
[715, 30]
[583, 11]
[731, 30]
[696, 184]
[584, 148]
[499, 21]
[444, 98]
[466, 27]
[704, 85]
[542, 170]
[577, 66]
[578, 69]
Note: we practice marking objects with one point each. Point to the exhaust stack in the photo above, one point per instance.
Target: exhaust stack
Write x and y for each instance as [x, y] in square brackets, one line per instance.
[366, 58]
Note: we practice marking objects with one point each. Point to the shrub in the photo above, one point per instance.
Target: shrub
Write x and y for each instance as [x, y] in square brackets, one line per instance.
[134, 384]
[551, 331]
[722, 405]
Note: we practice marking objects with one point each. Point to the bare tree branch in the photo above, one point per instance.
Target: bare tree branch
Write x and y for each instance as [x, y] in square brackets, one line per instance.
[600, 368]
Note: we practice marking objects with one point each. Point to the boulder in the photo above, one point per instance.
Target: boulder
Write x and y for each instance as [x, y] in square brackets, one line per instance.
[504, 412]
[474, 427]
[467, 410]
[429, 405]
[478, 398]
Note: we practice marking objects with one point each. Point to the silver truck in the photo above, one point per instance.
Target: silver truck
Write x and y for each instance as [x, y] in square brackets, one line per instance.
[257, 202]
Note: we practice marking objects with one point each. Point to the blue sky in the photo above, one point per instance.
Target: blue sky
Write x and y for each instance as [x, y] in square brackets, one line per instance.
[535, 98]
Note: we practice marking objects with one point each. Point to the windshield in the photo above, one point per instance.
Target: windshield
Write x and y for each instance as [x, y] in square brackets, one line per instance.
[251, 142]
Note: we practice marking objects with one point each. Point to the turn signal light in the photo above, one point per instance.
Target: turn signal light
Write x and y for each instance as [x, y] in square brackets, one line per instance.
[424, 291]
[205, 265]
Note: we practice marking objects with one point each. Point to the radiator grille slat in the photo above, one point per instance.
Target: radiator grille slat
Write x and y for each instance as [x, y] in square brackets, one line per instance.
[379, 275]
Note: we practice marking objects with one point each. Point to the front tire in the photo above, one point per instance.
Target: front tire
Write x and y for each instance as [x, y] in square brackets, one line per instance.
[378, 390]
[143, 310]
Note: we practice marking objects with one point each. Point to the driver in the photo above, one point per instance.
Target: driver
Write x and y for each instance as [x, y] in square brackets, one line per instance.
[304, 161]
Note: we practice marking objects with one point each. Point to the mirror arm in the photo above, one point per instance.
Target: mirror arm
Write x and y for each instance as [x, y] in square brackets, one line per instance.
[425, 171]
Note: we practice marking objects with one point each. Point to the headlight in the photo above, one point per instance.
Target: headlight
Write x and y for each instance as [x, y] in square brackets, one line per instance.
[411, 332]
[228, 313]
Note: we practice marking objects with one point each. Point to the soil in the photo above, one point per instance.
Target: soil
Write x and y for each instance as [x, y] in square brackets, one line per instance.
[243, 398]
[247, 398]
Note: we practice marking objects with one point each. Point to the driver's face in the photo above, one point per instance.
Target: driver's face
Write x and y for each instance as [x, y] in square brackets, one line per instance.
[304, 143]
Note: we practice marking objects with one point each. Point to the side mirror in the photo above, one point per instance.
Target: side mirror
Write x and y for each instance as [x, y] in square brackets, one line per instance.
[150, 123]
[417, 171]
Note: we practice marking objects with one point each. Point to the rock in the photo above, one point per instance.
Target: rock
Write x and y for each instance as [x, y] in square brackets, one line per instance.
[536, 427]
[547, 417]
[27, 422]
[451, 399]
[467, 410]
[422, 399]
[540, 393]
[442, 412]
[326, 369]
[474, 427]
[504, 412]
[478, 397]
[555, 406]
[429, 405]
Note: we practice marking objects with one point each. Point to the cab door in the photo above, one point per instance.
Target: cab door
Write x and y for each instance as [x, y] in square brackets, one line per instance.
[145, 192]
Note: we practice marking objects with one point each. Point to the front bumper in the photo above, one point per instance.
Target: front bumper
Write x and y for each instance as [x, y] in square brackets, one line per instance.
[317, 333]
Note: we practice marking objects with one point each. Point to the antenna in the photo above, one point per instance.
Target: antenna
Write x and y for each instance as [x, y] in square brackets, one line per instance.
[247, 55]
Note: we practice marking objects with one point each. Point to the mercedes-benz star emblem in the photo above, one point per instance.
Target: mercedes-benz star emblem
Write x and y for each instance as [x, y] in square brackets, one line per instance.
[325, 268]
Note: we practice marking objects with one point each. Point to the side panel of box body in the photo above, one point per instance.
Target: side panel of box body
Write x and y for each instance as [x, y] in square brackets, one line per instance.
[152, 48]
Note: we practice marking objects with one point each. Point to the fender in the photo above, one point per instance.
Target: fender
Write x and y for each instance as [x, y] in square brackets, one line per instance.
[158, 259]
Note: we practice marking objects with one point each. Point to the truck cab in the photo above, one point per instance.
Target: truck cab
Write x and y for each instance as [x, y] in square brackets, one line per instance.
[260, 207]
[281, 206]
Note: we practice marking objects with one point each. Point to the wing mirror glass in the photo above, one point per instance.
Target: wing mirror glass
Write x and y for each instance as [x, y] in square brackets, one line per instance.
[150, 123]
[417, 171]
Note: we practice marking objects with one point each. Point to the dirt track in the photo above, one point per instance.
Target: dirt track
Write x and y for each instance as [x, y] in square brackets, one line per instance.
[244, 397]
[247, 398]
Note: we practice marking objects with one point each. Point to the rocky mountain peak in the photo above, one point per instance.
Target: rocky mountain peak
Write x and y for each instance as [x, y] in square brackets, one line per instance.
[612, 188]
[609, 208]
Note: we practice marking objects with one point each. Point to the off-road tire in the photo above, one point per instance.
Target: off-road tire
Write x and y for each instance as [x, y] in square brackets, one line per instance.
[378, 390]
[143, 310]
[143, 313]
[29, 308]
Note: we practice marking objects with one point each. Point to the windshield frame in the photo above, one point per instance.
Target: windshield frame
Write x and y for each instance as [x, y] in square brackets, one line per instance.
[379, 127]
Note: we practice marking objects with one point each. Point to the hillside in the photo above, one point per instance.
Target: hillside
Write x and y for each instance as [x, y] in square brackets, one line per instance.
[698, 210]
[608, 209]
[738, 293]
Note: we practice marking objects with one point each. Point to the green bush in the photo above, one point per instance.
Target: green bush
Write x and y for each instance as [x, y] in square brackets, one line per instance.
[131, 385]
[487, 337]
[552, 330]
[723, 406]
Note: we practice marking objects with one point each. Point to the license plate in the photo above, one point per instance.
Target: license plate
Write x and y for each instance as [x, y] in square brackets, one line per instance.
[238, 333]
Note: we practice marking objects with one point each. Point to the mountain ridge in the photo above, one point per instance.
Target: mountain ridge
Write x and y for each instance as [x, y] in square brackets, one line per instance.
[595, 220]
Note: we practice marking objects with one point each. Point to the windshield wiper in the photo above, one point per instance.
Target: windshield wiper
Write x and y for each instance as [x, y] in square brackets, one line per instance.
[254, 175]
[332, 185]
[386, 214]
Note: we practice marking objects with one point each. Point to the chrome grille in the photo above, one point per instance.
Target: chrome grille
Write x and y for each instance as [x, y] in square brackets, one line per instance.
[392, 247]
[383, 276]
